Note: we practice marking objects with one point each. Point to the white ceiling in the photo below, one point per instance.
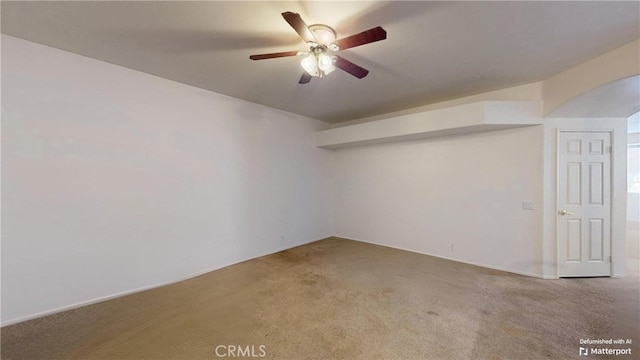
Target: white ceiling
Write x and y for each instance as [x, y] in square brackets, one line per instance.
[434, 50]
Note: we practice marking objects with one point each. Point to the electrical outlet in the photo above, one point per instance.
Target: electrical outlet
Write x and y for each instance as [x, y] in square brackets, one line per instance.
[452, 248]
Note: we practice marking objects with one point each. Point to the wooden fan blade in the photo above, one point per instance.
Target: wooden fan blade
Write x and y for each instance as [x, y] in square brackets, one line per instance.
[273, 55]
[351, 68]
[299, 26]
[305, 78]
[365, 37]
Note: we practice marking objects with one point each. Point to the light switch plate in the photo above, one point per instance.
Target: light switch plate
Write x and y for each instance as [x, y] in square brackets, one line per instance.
[527, 205]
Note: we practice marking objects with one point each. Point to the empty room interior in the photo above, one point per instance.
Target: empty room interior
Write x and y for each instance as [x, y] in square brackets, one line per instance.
[320, 180]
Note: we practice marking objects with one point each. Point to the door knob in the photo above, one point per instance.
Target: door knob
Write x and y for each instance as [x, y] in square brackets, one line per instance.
[564, 212]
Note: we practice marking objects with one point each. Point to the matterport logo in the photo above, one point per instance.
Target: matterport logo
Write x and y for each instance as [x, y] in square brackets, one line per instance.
[616, 347]
[238, 351]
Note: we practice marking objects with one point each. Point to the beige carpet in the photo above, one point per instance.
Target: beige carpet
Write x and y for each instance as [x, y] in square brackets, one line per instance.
[341, 299]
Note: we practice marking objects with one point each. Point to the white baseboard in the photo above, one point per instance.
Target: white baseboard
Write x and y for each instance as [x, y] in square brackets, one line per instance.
[454, 259]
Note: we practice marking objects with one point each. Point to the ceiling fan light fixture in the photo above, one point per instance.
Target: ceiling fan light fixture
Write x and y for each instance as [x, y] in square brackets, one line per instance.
[324, 34]
[310, 65]
[318, 63]
[322, 43]
[325, 63]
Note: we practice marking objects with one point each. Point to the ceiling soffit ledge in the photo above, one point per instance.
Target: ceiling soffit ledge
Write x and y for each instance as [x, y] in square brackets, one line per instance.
[455, 120]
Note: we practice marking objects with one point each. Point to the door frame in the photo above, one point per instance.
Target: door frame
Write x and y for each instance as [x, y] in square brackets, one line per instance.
[612, 172]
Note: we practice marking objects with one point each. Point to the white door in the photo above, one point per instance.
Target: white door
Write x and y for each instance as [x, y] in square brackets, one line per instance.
[584, 204]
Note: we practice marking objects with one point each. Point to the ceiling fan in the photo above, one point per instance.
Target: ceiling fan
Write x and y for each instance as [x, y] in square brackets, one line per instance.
[320, 60]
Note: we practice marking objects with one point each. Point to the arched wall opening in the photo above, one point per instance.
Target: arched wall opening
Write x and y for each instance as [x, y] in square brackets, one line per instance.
[603, 108]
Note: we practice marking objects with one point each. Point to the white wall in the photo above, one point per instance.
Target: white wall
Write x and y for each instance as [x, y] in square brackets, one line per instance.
[633, 167]
[454, 197]
[114, 180]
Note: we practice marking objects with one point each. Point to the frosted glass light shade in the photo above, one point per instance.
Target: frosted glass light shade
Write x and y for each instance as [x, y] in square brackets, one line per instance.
[325, 62]
[310, 65]
[324, 34]
[318, 63]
